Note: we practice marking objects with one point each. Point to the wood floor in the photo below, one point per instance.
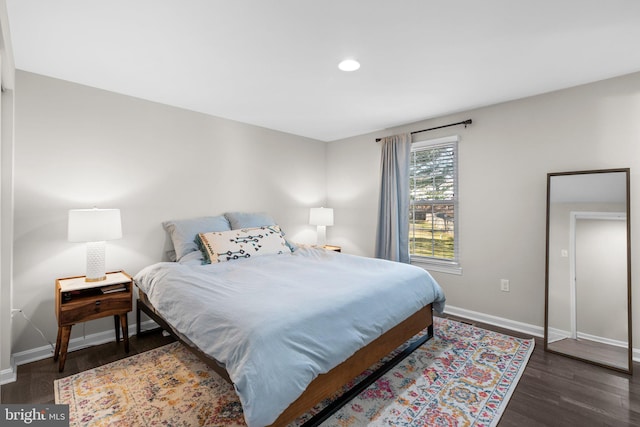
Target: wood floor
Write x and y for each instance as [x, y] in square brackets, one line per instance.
[556, 390]
[553, 391]
[35, 380]
[606, 354]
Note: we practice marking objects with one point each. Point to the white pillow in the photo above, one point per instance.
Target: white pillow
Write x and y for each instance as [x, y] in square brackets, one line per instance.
[219, 246]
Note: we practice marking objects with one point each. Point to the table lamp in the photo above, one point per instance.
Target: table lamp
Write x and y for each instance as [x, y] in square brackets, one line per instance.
[94, 226]
[321, 217]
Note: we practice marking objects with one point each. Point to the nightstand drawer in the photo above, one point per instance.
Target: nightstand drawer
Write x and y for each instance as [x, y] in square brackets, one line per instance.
[94, 308]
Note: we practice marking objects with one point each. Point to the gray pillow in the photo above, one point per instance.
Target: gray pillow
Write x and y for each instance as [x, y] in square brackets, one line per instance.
[248, 220]
[183, 232]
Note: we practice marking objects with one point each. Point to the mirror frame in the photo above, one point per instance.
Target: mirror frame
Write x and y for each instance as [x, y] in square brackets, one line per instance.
[626, 171]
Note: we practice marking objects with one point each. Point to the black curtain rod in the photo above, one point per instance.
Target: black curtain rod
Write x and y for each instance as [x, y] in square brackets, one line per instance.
[464, 122]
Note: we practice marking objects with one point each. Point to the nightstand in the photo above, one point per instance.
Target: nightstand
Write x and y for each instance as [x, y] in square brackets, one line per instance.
[332, 248]
[79, 301]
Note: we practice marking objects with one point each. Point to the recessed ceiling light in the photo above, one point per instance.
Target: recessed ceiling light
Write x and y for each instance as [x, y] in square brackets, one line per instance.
[349, 65]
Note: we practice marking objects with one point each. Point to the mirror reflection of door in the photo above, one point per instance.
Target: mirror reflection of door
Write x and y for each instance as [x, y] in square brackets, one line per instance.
[587, 278]
[600, 280]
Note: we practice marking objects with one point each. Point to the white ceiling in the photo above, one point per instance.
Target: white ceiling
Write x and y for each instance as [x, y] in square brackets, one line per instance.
[273, 63]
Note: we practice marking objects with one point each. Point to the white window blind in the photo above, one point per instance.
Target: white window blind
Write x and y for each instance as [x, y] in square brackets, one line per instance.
[433, 224]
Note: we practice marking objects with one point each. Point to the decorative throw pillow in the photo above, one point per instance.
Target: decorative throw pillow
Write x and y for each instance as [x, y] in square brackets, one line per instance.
[219, 246]
[251, 220]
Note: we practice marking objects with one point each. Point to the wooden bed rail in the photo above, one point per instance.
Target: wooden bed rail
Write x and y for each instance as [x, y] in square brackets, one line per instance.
[325, 385]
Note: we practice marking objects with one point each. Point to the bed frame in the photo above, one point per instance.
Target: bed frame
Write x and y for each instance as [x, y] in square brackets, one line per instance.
[325, 385]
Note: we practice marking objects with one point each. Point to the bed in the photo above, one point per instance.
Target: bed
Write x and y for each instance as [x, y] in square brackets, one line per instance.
[287, 328]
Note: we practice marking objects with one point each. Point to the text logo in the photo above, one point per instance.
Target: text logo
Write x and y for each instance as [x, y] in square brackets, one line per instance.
[34, 415]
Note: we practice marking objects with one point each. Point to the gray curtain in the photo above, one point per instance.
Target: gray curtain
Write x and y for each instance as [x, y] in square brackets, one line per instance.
[392, 238]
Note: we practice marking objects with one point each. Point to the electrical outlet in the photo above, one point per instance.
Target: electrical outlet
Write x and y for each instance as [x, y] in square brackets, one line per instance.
[504, 285]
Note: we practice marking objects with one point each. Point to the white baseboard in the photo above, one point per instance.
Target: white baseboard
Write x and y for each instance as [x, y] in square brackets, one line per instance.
[609, 341]
[501, 322]
[557, 335]
[513, 325]
[39, 353]
[9, 375]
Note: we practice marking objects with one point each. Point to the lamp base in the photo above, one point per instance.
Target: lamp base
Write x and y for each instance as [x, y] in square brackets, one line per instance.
[322, 235]
[95, 262]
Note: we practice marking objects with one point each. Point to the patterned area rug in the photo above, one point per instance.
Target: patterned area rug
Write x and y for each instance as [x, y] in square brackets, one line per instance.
[464, 376]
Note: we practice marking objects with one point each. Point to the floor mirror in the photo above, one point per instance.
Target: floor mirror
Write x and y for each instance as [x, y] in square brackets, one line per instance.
[588, 269]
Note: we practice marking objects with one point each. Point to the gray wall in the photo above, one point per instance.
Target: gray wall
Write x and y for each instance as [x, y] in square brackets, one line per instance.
[504, 158]
[76, 147]
[6, 226]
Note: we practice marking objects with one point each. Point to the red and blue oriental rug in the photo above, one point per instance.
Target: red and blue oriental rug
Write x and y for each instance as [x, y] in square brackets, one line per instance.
[464, 376]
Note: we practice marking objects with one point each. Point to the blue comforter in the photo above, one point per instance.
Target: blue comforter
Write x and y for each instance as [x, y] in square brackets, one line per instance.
[278, 321]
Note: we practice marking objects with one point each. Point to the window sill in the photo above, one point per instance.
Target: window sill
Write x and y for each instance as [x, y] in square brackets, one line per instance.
[440, 267]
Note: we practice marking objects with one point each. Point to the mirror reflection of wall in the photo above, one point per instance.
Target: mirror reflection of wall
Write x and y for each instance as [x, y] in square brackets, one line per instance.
[587, 278]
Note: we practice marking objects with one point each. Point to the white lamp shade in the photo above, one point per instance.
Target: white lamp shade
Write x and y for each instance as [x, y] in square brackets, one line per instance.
[94, 225]
[321, 216]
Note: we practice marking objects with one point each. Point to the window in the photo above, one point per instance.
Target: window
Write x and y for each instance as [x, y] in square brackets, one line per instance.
[433, 211]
